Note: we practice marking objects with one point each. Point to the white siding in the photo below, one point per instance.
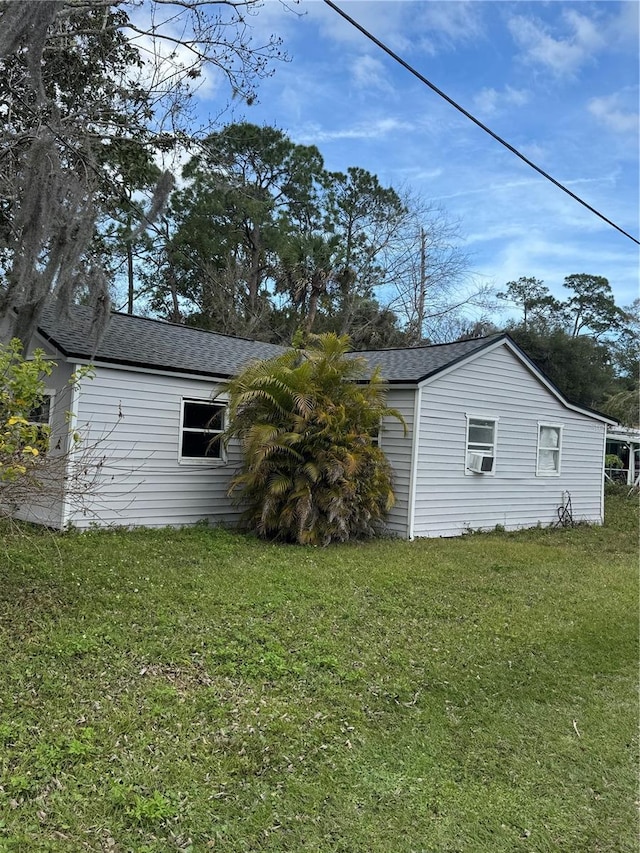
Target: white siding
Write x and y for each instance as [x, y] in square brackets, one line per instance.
[132, 420]
[496, 384]
[48, 509]
[397, 448]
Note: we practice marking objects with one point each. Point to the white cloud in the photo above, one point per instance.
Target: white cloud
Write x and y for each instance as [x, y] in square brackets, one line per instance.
[538, 254]
[491, 101]
[564, 54]
[315, 134]
[370, 73]
[412, 174]
[615, 111]
[406, 27]
[390, 21]
[443, 25]
[625, 28]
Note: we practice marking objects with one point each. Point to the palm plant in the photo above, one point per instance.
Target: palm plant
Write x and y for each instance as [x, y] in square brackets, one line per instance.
[307, 420]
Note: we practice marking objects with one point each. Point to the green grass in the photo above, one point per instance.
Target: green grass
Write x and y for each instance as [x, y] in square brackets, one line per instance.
[199, 690]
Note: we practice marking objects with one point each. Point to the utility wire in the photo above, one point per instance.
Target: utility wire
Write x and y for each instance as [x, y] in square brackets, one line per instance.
[464, 112]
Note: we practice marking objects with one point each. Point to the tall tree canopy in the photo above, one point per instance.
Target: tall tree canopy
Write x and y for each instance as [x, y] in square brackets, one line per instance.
[84, 112]
[262, 240]
[247, 195]
[586, 343]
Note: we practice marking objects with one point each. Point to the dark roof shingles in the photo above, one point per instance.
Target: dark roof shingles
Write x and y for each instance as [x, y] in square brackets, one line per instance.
[150, 343]
[143, 342]
[417, 363]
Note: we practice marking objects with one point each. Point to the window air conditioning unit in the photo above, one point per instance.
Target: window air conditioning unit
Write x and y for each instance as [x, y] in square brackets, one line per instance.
[480, 463]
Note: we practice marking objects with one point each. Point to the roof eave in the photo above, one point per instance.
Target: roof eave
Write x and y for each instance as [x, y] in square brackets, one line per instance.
[141, 365]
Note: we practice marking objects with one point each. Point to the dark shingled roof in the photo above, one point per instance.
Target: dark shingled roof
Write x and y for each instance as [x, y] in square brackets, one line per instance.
[143, 342]
[415, 364]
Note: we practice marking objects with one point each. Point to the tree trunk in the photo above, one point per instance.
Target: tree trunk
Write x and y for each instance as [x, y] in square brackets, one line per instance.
[422, 286]
[130, 292]
[254, 269]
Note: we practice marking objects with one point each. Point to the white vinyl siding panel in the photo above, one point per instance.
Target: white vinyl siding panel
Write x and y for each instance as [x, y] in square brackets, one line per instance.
[397, 448]
[49, 509]
[497, 384]
[133, 420]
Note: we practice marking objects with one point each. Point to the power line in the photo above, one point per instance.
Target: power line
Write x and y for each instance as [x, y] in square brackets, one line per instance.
[472, 118]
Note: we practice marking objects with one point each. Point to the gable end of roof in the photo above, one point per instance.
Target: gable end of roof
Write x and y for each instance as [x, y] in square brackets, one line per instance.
[542, 376]
[487, 343]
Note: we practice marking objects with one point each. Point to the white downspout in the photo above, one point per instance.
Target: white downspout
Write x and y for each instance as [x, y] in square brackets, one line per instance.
[415, 449]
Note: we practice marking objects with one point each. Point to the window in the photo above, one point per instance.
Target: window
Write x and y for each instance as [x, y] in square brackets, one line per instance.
[549, 445]
[41, 414]
[481, 445]
[202, 425]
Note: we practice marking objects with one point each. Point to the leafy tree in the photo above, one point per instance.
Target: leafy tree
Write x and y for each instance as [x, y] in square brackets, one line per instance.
[365, 217]
[374, 326]
[263, 241]
[586, 344]
[626, 347]
[481, 328]
[580, 367]
[312, 472]
[32, 471]
[623, 406]
[250, 193]
[624, 402]
[21, 441]
[51, 63]
[86, 112]
[591, 308]
[305, 270]
[535, 299]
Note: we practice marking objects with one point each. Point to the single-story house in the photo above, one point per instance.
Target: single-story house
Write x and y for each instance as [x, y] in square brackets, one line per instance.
[489, 441]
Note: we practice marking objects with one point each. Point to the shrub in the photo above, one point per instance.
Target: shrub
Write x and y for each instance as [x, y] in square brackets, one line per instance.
[307, 421]
[611, 460]
[21, 441]
[31, 471]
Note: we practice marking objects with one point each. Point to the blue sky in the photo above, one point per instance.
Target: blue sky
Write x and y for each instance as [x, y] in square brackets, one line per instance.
[558, 80]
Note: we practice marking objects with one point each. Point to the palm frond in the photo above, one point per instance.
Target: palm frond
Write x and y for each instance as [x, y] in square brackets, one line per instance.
[310, 471]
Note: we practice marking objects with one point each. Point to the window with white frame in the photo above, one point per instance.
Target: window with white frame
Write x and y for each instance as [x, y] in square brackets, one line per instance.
[549, 447]
[40, 416]
[481, 445]
[201, 428]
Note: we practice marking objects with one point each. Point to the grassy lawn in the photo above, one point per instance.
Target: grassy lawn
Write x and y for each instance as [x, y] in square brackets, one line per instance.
[199, 690]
